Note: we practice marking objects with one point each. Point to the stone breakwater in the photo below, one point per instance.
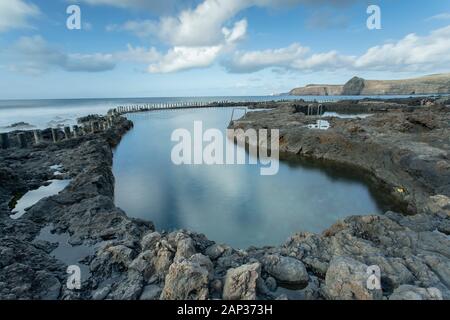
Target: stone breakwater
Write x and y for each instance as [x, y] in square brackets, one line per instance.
[406, 151]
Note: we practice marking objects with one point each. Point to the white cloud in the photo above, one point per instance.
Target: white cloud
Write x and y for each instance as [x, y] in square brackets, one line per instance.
[441, 16]
[140, 55]
[35, 56]
[15, 14]
[252, 61]
[183, 58]
[154, 6]
[198, 36]
[412, 53]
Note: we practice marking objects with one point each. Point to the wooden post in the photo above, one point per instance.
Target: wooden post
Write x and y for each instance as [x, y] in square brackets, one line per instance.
[75, 130]
[55, 134]
[4, 141]
[22, 140]
[37, 136]
[67, 132]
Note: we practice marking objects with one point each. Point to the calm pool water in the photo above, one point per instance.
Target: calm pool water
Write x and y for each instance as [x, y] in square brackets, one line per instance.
[231, 204]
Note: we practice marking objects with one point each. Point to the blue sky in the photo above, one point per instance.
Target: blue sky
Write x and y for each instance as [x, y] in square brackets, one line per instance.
[142, 48]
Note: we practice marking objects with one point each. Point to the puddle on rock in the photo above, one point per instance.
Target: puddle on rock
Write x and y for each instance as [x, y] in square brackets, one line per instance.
[346, 115]
[65, 252]
[57, 169]
[34, 196]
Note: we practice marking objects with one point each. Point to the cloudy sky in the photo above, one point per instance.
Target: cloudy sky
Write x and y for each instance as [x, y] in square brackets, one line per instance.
[143, 48]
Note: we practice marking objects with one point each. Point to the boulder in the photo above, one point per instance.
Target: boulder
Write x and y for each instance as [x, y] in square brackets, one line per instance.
[286, 269]
[150, 240]
[346, 279]
[185, 249]
[409, 292]
[186, 280]
[241, 282]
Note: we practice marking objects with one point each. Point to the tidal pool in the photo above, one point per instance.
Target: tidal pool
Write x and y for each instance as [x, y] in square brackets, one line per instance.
[34, 196]
[230, 204]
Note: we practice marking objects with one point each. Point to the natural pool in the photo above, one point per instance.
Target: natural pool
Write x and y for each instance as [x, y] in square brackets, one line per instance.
[230, 204]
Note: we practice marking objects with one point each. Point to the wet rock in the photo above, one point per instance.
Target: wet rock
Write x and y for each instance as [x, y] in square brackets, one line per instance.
[151, 292]
[48, 285]
[286, 269]
[102, 293]
[346, 279]
[271, 284]
[128, 289]
[241, 282]
[409, 292]
[186, 280]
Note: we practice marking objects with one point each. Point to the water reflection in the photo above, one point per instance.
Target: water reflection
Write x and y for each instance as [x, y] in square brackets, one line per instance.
[34, 196]
[233, 204]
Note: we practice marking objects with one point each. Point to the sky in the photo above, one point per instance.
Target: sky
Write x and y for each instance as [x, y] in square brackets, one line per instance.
[150, 48]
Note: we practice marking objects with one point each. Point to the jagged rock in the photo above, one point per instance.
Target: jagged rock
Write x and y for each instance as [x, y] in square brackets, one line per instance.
[130, 288]
[408, 292]
[48, 285]
[150, 240]
[286, 269]
[204, 262]
[121, 254]
[144, 264]
[186, 280]
[102, 293]
[241, 282]
[151, 292]
[185, 249]
[439, 204]
[215, 251]
[163, 261]
[346, 279]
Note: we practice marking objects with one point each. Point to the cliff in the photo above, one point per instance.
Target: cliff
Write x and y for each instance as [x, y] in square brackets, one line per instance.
[318, 90]
[432, 84]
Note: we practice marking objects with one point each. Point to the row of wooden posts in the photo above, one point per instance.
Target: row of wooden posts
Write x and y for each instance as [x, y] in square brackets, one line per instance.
[160, 106]
[6, 139]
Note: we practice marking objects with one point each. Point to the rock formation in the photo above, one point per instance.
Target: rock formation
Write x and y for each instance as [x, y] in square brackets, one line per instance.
[432, 84]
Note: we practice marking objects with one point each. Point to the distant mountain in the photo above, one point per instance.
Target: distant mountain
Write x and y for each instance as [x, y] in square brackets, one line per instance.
[432, 84]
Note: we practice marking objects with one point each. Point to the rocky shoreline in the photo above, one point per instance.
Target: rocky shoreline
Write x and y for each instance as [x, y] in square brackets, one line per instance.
[405, 148]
